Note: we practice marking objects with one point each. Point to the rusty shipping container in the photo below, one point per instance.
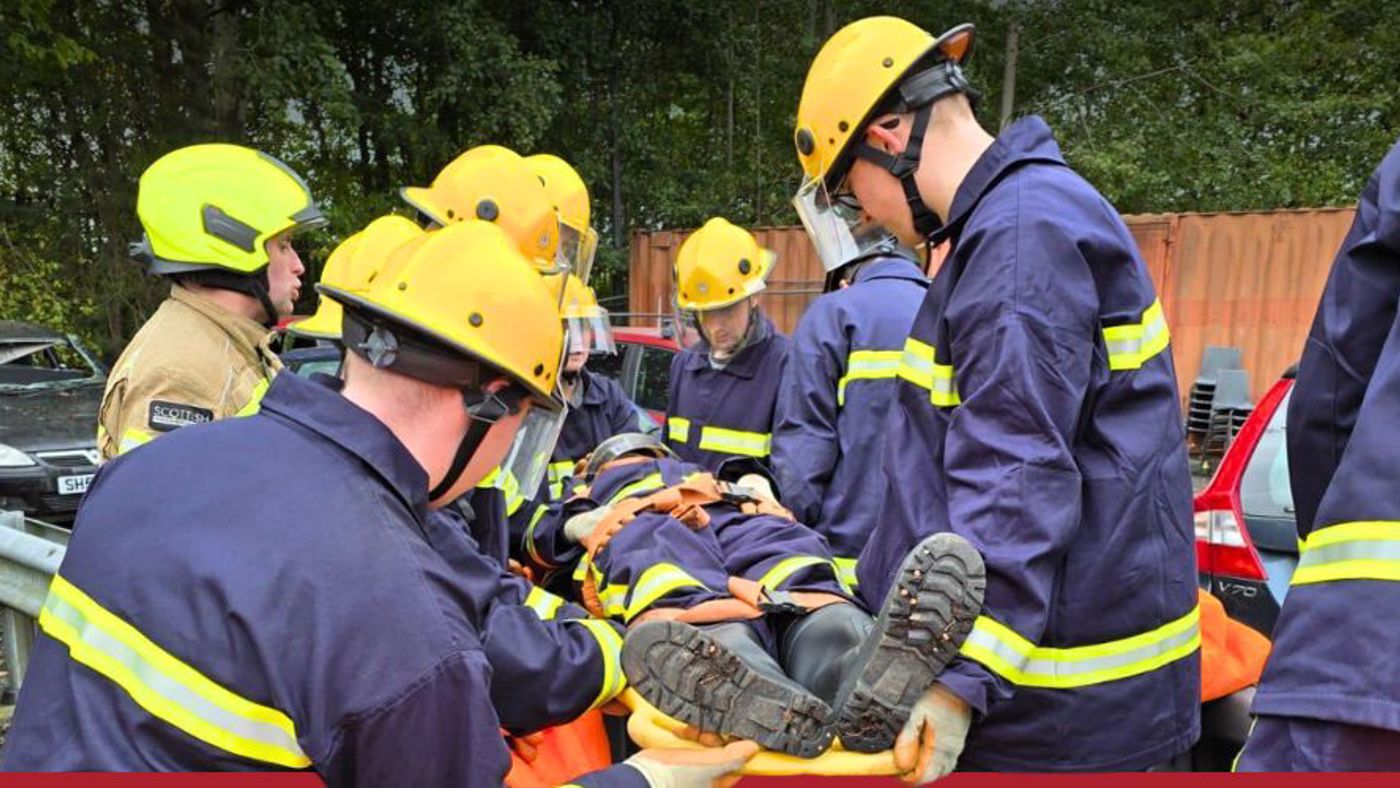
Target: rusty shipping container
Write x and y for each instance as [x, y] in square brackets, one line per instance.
[1251, 280]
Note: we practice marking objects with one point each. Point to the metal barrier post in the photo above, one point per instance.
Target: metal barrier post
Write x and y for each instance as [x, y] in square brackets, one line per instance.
[30, 553]
[18, 631]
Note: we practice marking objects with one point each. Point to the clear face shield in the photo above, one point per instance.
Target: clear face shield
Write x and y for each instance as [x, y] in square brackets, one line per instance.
[687, 325]
[525, 465]
[576, 250]
[728, 329]
[590, 333]
[834, 224]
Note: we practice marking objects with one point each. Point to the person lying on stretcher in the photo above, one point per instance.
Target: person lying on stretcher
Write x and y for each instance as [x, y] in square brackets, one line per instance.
[738, 623]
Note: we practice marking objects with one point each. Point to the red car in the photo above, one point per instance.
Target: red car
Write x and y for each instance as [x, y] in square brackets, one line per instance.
[1246, 530]
[642, 365]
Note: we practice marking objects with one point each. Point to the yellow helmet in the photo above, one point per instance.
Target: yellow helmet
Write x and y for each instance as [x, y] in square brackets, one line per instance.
[720, 265]
[352, 267]
[454, 298]
[215, 206]
[493, 184]
[854, 77]
[588, 327]
[578, 241]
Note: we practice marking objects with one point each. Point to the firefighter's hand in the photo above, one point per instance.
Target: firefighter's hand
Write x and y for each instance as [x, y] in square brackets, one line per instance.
[581, 525]
[693, 768]
[933, 738]
[758, 485]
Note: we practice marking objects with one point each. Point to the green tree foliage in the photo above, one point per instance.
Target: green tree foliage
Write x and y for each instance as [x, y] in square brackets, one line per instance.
[673, 111]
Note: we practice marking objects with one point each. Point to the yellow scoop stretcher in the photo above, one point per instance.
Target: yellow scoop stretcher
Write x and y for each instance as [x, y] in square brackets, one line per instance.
[648, 727]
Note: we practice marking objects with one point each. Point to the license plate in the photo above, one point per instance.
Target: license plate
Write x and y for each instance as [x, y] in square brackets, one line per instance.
[74, 485]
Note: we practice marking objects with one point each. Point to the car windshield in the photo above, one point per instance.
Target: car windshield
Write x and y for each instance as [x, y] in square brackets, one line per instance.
[41, 364]
[1264, 489]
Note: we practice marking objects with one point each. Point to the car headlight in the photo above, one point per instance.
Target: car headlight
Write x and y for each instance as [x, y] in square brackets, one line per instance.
[10, 457]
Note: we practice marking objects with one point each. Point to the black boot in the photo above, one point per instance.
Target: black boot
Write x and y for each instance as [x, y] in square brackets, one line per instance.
[927, 615]
[822, 650]
[720, 678]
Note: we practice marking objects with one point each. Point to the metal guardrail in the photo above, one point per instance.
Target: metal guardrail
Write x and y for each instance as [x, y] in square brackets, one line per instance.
[30, 552]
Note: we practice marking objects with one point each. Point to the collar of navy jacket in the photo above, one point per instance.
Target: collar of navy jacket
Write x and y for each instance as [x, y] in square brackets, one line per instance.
[317, 405]
[1027, 140]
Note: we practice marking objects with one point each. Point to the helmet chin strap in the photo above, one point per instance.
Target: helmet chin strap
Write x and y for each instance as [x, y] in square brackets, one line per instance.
[919, 93]
[482, 412]
[255, 285]
[905, 167]
[471, 441]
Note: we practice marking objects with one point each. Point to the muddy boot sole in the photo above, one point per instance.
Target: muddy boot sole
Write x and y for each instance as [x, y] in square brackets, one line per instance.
[926, 617]
[688, 675]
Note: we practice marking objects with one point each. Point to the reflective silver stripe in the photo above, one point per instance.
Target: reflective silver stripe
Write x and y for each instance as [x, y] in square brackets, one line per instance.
[868, 365]
[1367, 550]
[748, 444]
[917, 366]
[916, 363]
[1130, 346]
[1350, 551]
[655, 583]
[1011, 656]
[782, 571]
[545, 604]
[179, 703]
[610, 647]
[678, 429]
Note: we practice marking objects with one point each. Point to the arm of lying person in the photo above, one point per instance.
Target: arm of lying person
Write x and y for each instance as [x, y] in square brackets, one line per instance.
[546, 542]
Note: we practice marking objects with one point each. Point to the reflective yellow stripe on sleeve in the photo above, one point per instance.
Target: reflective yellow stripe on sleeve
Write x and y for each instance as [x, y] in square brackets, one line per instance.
[167, 688]
[559, 472]
[678, 429]
[846, 570]
[1366, 550]
[545, 604]
[254, 403]
[786, 568]
[656, 582]
[649, 483]
[506, 482]
[747, 444]
[917, 366]
[610, 644]
[530, 548]
[1130, 346]
[1021, 662]
[133, 438]
[868, 365]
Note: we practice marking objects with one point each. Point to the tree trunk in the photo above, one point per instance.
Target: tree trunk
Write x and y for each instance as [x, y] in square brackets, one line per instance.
[1008, 79]
[619, 218]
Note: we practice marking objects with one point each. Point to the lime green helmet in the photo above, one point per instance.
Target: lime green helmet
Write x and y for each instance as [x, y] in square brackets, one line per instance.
[214, 207]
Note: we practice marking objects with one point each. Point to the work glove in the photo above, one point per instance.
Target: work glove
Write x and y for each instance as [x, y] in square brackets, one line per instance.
[758, 485]
[582, 524]
[693, 768]
[933, 738]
